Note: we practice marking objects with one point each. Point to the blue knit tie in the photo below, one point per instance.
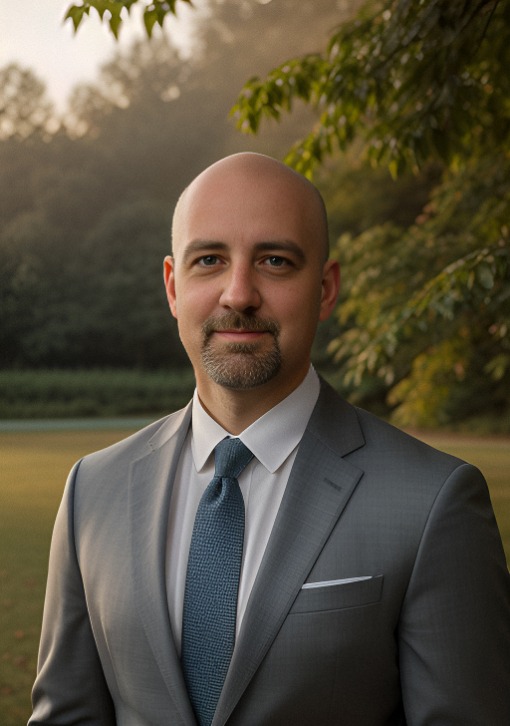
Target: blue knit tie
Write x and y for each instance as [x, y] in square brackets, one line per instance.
[212, 580]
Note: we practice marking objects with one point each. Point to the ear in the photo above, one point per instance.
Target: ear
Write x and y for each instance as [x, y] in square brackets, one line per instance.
[330, 288]
[169, 277]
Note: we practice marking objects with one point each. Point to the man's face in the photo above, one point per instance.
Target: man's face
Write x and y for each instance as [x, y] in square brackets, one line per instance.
[248, 282]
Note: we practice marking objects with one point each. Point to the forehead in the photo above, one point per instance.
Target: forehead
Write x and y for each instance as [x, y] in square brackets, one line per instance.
[247, 203]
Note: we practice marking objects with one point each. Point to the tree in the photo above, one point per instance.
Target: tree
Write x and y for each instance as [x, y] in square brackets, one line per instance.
[84, 214]
[24, 108]
[408, 84]
[125, 315]
[159, 118]
[409, 87]
[26, 261]
[412, 83]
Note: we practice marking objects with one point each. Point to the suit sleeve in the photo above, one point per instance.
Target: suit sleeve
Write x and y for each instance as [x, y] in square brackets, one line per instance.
[454, 633]
[70, 687]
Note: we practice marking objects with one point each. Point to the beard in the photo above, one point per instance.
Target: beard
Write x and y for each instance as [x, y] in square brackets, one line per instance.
[240, 366]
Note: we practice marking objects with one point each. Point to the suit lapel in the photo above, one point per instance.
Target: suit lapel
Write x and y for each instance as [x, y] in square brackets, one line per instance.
[319, 487]
[150, 490]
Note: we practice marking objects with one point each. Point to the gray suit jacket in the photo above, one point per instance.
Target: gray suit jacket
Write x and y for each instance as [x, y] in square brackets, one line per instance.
[415, 628]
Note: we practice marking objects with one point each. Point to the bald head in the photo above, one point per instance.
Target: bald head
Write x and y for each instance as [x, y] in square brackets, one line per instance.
[252, 172]
[248, 282]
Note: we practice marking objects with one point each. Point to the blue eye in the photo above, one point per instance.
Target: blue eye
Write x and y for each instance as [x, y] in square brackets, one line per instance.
[276, 261]
[208, 260]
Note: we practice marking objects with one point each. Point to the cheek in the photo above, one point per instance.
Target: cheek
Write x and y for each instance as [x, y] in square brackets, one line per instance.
[193, 305]
[189, 300]
[299, 307]
[297, 328]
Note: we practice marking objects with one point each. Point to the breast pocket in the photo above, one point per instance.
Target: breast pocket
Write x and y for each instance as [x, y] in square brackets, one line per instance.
[351, 593]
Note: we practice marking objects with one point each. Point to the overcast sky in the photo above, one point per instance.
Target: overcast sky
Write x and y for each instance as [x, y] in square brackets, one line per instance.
[33, 34]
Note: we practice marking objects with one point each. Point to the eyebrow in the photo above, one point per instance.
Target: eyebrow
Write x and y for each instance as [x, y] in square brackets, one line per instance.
[202, 245]
[282, 246]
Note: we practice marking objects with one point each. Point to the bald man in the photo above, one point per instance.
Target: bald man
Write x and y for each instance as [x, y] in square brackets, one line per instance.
[327, 569]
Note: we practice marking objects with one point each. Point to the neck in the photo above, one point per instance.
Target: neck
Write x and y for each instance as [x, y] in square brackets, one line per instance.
[235, 410]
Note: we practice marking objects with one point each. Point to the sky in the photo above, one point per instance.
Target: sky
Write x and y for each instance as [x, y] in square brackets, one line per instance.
[33, 35]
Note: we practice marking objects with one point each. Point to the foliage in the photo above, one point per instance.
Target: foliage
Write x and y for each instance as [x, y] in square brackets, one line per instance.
[416, 86]
[426, 307]
[114, 11]
[46, 394]
[415, 79]
[432, 303]
[101, 304]
[85, 210]
[24, 108]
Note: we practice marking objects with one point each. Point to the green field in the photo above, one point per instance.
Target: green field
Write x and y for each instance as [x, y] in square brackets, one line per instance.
[33, 469]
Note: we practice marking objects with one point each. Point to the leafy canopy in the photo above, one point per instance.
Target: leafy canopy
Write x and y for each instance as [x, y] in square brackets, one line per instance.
[114, 11]
[414, 78]
[406, 84]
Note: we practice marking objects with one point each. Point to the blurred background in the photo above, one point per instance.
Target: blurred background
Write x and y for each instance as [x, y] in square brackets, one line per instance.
[98, 137]
[398, 111]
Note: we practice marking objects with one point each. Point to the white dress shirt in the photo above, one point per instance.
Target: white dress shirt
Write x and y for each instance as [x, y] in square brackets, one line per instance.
[273, 439]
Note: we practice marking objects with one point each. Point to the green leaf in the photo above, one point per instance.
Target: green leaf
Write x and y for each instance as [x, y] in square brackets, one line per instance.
[76, 14]
[485, 276]
[115, 23]
[110, 11]
[150, 18]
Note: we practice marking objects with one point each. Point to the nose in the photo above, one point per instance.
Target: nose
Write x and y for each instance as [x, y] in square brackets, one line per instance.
[240, 291]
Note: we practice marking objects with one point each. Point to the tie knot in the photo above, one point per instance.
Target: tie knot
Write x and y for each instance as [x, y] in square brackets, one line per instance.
[230, 458]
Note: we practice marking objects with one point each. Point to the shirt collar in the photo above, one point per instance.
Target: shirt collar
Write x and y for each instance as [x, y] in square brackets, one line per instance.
[271, 438]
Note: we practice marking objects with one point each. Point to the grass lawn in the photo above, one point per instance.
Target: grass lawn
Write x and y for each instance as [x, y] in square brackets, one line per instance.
[33, 470]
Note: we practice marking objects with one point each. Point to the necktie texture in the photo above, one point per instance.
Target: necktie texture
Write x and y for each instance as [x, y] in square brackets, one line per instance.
[212, 580]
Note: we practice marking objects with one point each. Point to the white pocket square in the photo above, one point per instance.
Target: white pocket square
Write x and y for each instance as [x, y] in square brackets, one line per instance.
[330, 583]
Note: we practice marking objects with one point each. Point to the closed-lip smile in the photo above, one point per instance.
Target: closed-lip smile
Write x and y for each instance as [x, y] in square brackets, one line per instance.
[240, 333]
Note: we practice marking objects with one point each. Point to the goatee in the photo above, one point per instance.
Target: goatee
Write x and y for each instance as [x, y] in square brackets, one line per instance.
[240, 366]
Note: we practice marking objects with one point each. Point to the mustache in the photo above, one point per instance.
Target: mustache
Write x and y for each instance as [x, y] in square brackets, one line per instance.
[238, 321]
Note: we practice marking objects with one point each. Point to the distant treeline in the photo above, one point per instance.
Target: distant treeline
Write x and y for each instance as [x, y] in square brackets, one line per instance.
[93, 393]
[85, 209]
[421, 330]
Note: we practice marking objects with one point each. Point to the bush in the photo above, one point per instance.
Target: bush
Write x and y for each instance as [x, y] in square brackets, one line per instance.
[99, 393]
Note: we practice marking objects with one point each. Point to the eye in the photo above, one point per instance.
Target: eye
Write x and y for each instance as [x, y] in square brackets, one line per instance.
[276, 261]
[208, 261]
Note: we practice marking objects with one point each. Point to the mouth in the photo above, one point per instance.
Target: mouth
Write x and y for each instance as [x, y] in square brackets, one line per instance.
[240, 336]
[235, 329]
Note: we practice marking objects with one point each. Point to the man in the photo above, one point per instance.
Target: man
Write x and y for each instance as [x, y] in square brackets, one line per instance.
[373, 589]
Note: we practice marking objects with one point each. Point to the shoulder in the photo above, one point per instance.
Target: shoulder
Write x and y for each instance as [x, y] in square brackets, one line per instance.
[403, 482]
[372, 442]
[138, 444]
[103, 477]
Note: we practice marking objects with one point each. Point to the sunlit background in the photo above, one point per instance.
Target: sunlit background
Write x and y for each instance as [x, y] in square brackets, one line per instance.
[35, 35]
[97, 140]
